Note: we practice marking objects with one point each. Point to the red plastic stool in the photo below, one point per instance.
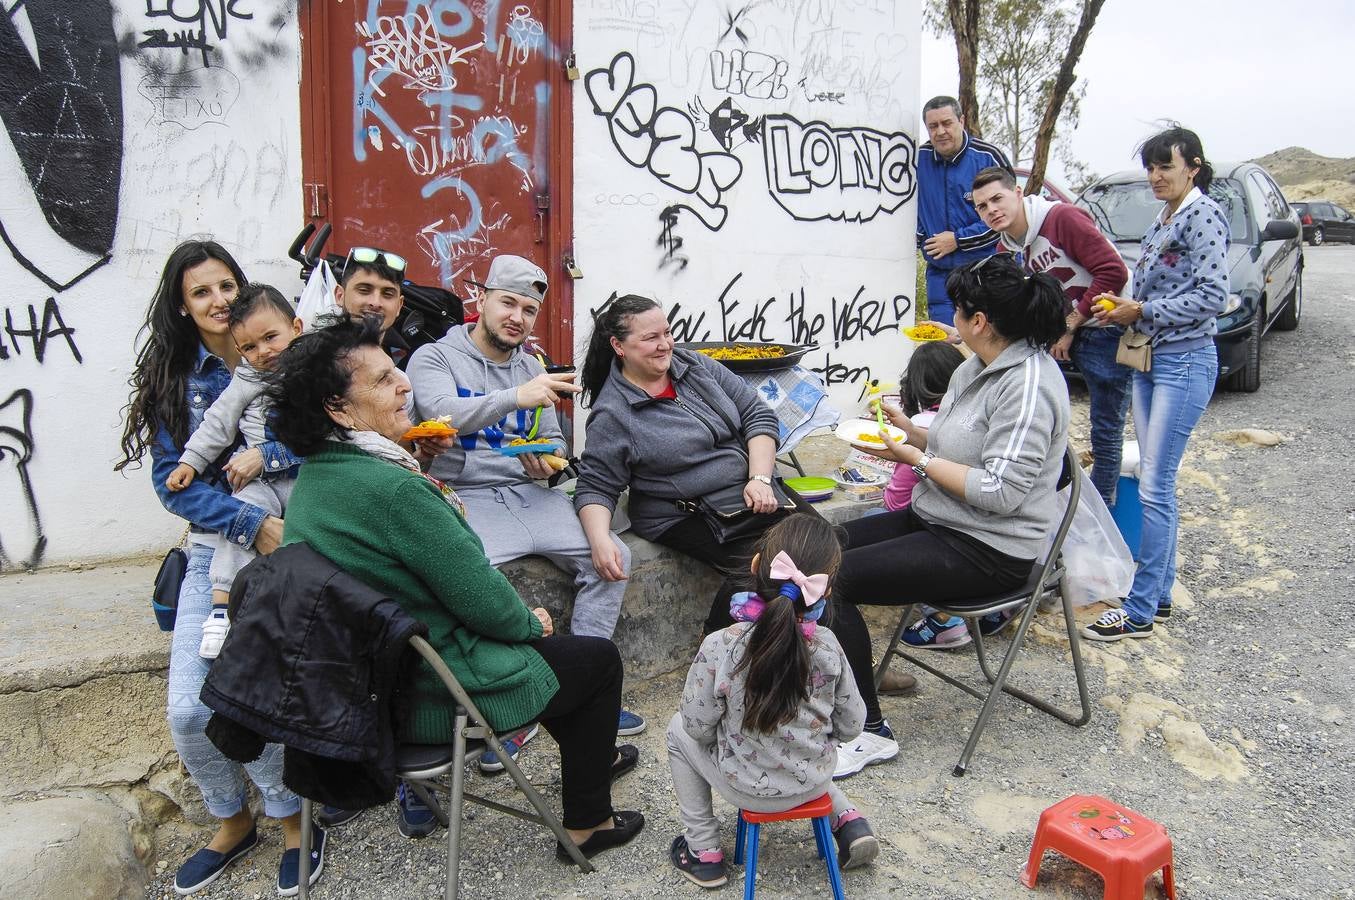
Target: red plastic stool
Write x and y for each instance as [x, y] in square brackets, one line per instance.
[750, 826]
[1125, 847]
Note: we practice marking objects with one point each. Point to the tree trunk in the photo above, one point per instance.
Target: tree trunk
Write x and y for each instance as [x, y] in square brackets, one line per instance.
[964, 24]
[1044, 135]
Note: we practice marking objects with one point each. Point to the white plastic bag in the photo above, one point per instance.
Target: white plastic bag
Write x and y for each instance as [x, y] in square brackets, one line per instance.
[318, 297]
[1097, 562]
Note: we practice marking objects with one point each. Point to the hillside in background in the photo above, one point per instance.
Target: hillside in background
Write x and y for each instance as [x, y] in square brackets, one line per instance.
[1303, 175]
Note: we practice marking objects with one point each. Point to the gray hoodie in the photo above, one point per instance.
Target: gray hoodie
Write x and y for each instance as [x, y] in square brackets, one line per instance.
[1009, 423]
[666, 451]
[451, 377]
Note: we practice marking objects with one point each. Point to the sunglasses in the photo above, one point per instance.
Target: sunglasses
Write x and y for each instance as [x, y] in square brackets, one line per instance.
[370, 255]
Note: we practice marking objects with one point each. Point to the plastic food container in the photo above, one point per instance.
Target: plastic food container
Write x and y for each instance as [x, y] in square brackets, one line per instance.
[862, 492]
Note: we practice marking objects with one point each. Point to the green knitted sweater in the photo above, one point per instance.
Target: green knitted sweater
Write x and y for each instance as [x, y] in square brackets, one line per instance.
[393, 530]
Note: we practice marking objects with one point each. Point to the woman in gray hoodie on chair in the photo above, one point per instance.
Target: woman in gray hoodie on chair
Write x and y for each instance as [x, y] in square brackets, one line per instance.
[988, 467]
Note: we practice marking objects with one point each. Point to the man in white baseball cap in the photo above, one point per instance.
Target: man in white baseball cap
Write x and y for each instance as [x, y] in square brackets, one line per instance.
[494, 393]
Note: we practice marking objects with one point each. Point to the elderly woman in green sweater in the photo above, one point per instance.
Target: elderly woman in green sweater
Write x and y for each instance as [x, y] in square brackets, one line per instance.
[362, 501]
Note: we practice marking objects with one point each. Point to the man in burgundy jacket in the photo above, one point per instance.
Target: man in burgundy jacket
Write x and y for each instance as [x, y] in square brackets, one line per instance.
[1062, 240]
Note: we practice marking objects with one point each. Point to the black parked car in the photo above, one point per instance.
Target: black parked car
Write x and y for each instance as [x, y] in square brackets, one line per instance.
[1265, 257]
[1324, 221]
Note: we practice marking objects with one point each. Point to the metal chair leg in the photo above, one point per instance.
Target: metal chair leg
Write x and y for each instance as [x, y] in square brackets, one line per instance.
[304, 869]
[539, 804]
[892, 650]
[454, 805]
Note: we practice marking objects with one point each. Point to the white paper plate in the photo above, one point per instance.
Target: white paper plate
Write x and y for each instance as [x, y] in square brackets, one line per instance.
[851, 430]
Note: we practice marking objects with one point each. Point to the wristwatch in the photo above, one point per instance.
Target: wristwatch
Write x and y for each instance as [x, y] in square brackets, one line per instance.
[765, 479]
[920, 470]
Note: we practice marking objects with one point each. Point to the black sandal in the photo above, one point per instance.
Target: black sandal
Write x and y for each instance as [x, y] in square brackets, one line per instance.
[630, 758]
[626, 824]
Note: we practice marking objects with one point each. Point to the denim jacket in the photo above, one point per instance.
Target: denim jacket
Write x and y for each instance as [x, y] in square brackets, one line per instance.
[207, 503]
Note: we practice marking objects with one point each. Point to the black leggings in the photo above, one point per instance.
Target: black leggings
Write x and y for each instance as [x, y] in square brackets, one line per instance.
[582, 718]
[693, 537]
[893, 560]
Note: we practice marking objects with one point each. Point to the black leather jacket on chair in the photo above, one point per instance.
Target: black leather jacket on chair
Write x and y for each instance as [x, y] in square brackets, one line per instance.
[314, 660]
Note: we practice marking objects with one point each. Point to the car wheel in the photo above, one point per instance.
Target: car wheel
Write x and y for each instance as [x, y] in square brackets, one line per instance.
[1288, 319]
[1317, 238]
[1248, 378]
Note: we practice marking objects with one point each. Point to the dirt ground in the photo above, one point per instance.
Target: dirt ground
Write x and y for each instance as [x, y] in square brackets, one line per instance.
[1231, 726]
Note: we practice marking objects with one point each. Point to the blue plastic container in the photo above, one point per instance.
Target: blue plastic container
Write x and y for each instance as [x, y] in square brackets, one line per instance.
[1128, 512]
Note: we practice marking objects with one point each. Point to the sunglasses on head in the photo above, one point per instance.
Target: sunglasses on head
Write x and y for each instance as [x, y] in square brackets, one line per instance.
[370, 255]
[977, 267]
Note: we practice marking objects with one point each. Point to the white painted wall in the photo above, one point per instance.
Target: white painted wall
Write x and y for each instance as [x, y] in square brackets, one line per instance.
[204, 151]
[782, 237]
[153, 147]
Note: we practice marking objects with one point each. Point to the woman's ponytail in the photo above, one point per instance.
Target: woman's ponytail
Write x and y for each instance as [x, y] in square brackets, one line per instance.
[1045, 310]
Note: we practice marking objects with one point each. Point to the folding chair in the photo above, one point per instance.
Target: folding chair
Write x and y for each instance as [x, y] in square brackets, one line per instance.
[1046, 578]
[421, 765]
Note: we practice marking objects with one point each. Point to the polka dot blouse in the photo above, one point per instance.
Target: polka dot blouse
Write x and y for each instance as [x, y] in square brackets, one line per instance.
[1182, 276]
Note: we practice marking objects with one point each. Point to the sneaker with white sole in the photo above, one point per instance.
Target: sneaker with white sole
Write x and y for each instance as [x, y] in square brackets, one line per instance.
[1115, 624]
[413, 818]
[489, 760]
[629, 723]
[868, 748]
[214, 630]
[1163, 614]
[934, 633]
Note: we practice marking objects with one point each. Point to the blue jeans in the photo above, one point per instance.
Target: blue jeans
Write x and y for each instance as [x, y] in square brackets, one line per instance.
[1093, 352]
[221, 780]
[939, 306]
[1168, 401]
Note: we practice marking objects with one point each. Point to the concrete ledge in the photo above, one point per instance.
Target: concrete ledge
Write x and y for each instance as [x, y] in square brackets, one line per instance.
[82, 664]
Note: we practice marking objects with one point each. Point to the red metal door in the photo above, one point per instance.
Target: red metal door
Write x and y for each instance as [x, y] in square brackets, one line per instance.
[439, 129]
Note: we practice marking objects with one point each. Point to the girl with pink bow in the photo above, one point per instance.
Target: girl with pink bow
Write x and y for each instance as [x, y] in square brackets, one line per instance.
[767, 702]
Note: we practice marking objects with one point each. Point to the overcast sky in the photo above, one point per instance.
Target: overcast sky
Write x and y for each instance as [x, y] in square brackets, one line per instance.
[1248, 76]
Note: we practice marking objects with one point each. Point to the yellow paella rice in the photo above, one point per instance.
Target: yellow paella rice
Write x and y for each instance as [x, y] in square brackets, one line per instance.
[925, 333]
[744, 351]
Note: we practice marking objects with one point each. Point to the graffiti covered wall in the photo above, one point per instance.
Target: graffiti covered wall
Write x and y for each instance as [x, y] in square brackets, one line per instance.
[751, 165]
[125, 127]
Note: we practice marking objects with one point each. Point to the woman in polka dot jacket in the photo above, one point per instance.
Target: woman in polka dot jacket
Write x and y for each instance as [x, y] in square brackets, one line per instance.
[1180, 287]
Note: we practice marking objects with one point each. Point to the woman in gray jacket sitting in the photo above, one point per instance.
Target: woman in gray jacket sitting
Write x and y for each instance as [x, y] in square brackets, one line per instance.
[673, 426]
[988, 467]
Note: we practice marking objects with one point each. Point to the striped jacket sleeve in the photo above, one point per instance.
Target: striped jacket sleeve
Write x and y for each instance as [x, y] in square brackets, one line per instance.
[1019, 437]
[979, 235]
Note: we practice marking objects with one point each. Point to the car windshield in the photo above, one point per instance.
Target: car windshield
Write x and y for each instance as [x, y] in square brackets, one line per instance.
[1125, 210]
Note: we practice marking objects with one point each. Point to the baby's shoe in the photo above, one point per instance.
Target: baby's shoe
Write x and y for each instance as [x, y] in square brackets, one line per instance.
[214, 631]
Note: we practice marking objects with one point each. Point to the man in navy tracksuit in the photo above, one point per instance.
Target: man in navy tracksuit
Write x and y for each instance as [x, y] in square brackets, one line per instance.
[949, 231]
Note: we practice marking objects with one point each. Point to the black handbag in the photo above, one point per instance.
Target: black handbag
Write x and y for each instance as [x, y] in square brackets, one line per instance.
[729, 518]
[168, 581]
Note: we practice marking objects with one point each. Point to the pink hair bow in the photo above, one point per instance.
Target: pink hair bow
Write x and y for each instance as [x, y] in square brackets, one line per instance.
[811, 587]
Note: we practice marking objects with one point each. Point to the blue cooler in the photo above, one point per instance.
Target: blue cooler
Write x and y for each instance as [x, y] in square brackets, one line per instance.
[1128, 513]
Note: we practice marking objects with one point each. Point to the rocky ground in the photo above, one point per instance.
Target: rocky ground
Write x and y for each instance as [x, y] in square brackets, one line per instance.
[1232, 726]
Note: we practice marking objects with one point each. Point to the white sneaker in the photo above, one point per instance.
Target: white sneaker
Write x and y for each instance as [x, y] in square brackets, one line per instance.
[214, 631]
[867, 749]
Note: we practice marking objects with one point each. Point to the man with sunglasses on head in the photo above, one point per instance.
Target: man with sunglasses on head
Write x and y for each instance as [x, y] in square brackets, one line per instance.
[369, 285]
[494, 393]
